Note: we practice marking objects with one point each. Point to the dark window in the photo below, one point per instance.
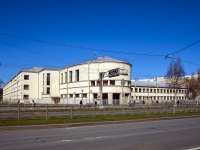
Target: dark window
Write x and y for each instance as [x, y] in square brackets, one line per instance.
[26, 77]
[76, 95]
[26, 87]
[65, 77]
[105, 82]
[61, 77]
[70, 76]
[71, 95]
[112, 82]
[48, 78]
[92, 83]
[135, 89]
[77, 75]
[26, 97]
[43, 79]
[48, 90]
[84, 95]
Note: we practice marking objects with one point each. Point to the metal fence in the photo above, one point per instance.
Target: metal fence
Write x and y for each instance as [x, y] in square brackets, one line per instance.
[20, 111]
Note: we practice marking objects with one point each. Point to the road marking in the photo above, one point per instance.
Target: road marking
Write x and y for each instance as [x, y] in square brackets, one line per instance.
[88, 138]
[197, 148]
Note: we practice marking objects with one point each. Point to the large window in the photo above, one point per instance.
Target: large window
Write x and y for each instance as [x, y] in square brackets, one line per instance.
[48, 78]
[43, 79]
[65, 77]
[26, 77]
[70, 76]
[48, 90]
[26, 87]
[77, 75]
[61, 78]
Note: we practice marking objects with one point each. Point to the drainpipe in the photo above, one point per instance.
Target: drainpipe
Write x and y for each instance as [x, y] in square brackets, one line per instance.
[89, 81]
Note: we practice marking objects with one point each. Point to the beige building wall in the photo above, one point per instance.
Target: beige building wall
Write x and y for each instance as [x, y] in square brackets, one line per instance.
[22, 88]
[48, 86]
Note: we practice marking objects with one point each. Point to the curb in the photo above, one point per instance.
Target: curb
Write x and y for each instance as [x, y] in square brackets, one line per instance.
[70, 125]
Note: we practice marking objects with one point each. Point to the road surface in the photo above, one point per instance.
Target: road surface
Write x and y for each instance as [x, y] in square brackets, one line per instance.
[183, 134]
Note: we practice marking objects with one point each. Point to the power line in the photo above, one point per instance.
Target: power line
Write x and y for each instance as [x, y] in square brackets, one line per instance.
[78, 47]
[185, 47]
[196, 31]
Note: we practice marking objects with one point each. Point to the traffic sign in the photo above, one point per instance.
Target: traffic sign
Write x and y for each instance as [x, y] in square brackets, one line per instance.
[113, 73]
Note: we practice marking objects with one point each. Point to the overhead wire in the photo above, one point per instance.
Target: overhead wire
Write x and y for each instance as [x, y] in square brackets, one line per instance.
[73, 46]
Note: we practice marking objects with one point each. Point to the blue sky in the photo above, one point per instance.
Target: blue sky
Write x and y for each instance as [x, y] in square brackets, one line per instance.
[82, 27]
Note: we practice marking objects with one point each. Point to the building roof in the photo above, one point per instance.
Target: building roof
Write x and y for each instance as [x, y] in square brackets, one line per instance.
[99, 60]
[107, 59]
[34, 69]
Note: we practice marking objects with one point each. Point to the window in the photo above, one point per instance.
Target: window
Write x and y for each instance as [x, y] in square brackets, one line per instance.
[70, 95]
[131, 89]
[135, 89]
[105, 82]
[26, 97]
[26, 77]
[143, 90]
[43, 79]
[70, 76]
[139, 89]
[65, 77]
[48, 78]
[26, 87]
[92, 83]
[150, 90]
[48, 90]
[77, 75]
[61, 78]
[112, 82]
[98, 83]
[84, 95]
[76, 95]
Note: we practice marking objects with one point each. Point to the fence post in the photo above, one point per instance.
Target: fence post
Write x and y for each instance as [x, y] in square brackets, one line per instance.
[113, 110]
[93, 109]
[47, 112]
[71, 113]
[18, 112]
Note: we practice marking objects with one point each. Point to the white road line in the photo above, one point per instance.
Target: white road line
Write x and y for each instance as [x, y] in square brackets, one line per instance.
[197, 148]
[88, 138]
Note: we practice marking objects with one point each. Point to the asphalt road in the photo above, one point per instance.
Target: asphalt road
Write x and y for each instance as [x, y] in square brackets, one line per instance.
[174, 134]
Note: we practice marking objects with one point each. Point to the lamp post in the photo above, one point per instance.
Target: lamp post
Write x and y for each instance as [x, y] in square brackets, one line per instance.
[74, 97]
[82, 96]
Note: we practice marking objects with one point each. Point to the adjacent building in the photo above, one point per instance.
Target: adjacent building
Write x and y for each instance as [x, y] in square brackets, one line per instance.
[153, 91]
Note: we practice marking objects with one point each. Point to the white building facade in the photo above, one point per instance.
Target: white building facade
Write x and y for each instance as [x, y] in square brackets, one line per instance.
[156, 92]
[81, 82]
[71, 84]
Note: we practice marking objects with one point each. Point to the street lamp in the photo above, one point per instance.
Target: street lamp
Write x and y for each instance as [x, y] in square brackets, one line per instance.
[82, 96]
[74, 97]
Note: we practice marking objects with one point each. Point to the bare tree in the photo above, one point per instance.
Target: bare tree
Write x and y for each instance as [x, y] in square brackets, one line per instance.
[1, 82]
[174, 74]
[193, 85]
